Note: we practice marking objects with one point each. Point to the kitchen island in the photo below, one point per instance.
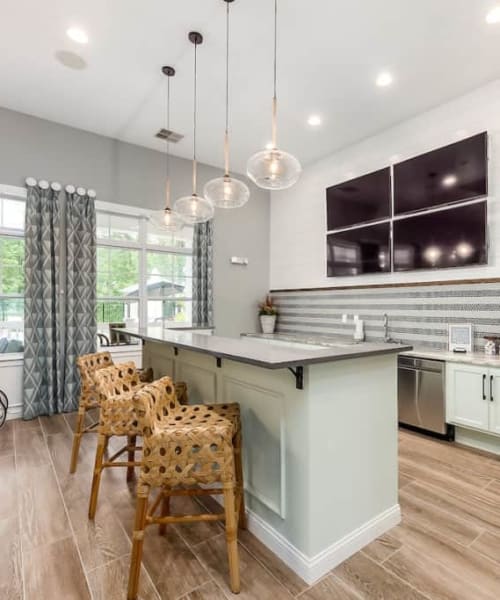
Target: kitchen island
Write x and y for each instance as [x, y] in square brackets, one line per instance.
[319, 434]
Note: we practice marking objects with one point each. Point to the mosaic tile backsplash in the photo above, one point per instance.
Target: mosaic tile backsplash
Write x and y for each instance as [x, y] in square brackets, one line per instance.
[418, 315]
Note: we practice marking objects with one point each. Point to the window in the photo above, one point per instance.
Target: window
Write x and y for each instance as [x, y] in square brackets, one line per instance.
[144, 275]
[12, 214]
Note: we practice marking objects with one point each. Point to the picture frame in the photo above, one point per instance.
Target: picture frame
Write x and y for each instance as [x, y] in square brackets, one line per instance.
[460, 337]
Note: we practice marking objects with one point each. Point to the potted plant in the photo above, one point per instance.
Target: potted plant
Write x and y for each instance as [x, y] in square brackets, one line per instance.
[267, 314]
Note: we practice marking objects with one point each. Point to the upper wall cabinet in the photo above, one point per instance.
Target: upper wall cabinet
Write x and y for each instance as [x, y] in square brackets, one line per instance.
[454, 173]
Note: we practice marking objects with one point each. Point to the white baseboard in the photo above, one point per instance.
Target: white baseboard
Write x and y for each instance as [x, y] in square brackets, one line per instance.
[312, 569]
[477, 439]
[15, 412]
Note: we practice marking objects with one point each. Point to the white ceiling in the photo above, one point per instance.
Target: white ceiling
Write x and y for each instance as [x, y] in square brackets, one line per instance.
[330, 52]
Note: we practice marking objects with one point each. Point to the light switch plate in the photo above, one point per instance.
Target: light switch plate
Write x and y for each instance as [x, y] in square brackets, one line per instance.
[239, 260]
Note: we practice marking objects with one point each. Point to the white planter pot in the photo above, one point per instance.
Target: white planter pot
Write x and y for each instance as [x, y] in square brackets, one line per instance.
[267, 322]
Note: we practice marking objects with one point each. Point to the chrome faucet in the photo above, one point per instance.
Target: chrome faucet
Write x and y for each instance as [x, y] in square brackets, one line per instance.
[387, 337]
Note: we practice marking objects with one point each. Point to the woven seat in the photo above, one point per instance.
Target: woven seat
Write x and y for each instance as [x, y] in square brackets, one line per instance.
[185, 447]
[89, 398]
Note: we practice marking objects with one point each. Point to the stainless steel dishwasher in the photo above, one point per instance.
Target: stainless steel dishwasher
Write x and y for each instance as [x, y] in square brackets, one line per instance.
[421, 395]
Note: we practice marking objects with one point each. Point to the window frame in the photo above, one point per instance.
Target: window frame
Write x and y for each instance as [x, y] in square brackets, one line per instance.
[16, 193]
[142, 246]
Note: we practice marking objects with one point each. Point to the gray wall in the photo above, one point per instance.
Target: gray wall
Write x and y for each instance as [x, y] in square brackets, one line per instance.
[133, 175]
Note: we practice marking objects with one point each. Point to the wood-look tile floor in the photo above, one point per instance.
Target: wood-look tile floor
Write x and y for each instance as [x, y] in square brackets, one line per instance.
[447, 547]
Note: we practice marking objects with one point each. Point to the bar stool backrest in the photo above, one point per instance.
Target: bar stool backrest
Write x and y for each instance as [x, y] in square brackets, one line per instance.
[117, 380]
[87, 365]
[155, 403]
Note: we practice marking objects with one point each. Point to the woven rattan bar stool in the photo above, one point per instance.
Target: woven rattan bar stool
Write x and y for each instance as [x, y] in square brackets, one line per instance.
[115, 386]
[185, 447]
[87, 365]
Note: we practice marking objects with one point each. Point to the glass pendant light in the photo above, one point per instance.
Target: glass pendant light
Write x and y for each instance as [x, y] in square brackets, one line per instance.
[274, 169]
[194, 209]
[227, 192]
[167, 219]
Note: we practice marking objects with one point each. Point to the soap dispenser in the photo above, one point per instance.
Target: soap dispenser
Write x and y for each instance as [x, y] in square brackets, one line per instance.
[359, 330]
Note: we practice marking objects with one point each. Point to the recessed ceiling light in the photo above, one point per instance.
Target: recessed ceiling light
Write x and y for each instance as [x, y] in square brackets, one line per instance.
[314, 120]
[384, 79]
[493, 16]
[77, 35]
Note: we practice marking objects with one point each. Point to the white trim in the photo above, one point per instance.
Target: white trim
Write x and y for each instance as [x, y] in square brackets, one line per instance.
[476, 438]
[121, 209]
[15, 411]
[12, 190]
[10, 356]
[11, 367]
[312, 569]
[128, 244]
[14, 233]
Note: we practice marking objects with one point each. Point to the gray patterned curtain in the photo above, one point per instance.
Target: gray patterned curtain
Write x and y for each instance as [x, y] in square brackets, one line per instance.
[80, 325]
[203, 315]
[42, 307]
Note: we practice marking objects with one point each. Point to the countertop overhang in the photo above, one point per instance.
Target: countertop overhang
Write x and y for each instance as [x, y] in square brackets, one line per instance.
[469, 358]
[256, 353]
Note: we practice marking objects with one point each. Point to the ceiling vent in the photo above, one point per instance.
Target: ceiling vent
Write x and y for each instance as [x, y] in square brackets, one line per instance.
[171, 136]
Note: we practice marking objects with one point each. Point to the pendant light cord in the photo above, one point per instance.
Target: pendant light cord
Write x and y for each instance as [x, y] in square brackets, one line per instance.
[275, 43]
[194, 119]
[226, 135]
[275, 101]
[168, 144]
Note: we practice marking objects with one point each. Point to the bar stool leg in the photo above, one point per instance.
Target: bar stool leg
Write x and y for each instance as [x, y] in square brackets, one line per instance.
[77, 437]
[165, 511]
[231, 538]
[138, 542]
[132, 439]
[238, 466]
[102, 443]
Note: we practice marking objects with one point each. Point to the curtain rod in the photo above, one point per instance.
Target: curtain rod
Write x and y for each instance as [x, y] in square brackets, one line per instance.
[56, 186]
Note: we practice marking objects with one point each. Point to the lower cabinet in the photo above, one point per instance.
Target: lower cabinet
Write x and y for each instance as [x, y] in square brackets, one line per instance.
[473, 397]
[495, 401]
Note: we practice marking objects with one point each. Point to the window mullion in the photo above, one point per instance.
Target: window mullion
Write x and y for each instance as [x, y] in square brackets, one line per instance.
[143, 274]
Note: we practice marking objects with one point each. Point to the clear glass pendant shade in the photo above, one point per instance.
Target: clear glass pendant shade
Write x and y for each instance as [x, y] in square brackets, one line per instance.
[273, 169]
[227, 192]
[194, 209]
[167, 220]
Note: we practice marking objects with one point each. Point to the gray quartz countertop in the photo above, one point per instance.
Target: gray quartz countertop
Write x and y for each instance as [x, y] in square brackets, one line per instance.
[469, 358]
[275, 354]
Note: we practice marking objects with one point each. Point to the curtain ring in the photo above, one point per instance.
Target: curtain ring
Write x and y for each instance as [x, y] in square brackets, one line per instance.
[43, 185]
[30, 181]
[91, 193]
[81, 191]
[70, 189]
[56, 186]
